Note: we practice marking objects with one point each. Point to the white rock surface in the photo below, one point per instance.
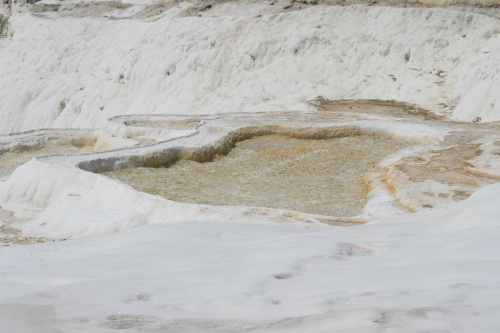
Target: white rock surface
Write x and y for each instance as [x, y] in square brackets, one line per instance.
[146, 264]
[431, 272]
[77, 72]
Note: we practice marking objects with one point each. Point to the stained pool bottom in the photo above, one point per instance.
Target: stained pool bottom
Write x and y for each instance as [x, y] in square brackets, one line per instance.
[326, 177]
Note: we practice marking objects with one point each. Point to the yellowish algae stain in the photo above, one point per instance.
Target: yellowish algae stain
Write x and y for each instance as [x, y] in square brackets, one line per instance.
[324, 177]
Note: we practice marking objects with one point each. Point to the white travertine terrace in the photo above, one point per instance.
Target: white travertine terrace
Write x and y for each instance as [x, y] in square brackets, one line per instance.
[61, 70]
[89, 88]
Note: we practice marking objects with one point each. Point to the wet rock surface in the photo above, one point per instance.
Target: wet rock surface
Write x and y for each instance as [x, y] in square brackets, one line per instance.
[325, 177]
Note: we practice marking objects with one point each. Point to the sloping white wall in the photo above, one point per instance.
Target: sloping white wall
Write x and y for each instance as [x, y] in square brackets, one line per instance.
[78, 72]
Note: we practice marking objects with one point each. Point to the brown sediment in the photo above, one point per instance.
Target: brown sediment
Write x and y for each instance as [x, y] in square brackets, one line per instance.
[389, 180]
[94, 9]
[341, 221]
[377, 107]
[12, 236]
[224, 145]
[19, 154]
[448, 164]
[323, 177]
[154, 10]
[171, 124]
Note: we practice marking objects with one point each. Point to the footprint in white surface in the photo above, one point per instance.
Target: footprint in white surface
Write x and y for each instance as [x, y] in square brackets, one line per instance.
[347, 250]
[124, 322]
[143, 297]
[48, 295]
[284, 276]
[398, 315]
